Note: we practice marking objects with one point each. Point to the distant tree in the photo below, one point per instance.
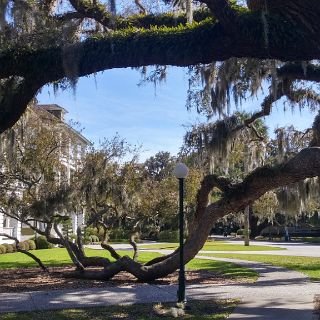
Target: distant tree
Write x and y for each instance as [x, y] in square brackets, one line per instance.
[160, 165]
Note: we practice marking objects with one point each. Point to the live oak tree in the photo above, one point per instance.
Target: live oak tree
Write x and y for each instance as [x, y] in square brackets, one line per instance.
[267, 43]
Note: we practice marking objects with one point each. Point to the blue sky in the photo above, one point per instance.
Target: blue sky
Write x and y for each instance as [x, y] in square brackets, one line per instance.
[112, 102]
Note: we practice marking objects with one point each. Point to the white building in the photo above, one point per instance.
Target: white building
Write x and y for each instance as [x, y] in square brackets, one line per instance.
[73, 151]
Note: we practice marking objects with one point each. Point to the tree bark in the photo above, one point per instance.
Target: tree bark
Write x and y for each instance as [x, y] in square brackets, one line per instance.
[247, 226]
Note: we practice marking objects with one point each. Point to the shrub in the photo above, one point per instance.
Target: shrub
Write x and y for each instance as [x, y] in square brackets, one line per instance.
[22, 246]
[26, 245]
[240, 232]
[272, 231]
[9, 248]
[93, 239]
[32, 244]
[86, 240]
[91, 231]
[42, 243]
[119, 234]
[3, 249]
[169, 235]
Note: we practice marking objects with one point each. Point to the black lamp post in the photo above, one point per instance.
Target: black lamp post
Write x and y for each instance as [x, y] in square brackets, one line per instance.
[180, 172]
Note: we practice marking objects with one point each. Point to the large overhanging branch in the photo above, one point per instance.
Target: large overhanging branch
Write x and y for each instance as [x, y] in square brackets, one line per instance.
[305, 164]
[15, 101]
[182, 46]
[178, 46]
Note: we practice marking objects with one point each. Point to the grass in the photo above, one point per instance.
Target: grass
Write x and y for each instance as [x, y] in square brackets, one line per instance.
[228, 269]
[60, 257]
[200, 310]
[307, 265]
[215, 246]
[308, 239]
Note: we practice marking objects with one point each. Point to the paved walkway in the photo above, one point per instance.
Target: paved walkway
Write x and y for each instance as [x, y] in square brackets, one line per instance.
[301, 249]
[291, 248]
[279, 294]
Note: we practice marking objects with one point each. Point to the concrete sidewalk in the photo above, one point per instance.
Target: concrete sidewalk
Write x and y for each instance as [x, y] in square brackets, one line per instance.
[80, 298]
[279, 294]
[290, 248]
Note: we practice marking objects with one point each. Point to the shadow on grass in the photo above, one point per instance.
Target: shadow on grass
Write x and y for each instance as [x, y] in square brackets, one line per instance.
[224, 268]
[215, 310]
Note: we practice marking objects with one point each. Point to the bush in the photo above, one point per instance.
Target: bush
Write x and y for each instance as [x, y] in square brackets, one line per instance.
[93, 239]
[169, 236]
[42, 243]
[26, 245]
[99, 232]
[86, 240]
[272, 231]
[22, 246]
[32, 244]
[240, 232]
[9, 248]
[3, 249]
[119, 234]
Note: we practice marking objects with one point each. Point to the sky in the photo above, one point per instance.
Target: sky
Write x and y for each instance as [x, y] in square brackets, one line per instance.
[156, 118]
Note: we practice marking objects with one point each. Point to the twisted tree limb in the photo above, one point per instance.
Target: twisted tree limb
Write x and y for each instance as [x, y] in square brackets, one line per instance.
[304, 165]
[72, 255]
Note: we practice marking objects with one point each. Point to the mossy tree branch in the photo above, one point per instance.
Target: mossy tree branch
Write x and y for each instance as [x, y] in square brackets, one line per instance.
[178, 46]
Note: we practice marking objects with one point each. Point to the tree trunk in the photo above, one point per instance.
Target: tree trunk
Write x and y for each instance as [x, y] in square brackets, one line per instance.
[247, 226]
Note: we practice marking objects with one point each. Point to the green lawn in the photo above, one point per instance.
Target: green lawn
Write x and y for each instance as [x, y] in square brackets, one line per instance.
[308, 239]
[59, 257]
[226, 268]
[199, 310]
[215, 246]
[307, 265]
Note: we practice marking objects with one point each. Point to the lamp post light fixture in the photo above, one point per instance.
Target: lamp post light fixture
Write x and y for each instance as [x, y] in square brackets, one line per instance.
[181, 172]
